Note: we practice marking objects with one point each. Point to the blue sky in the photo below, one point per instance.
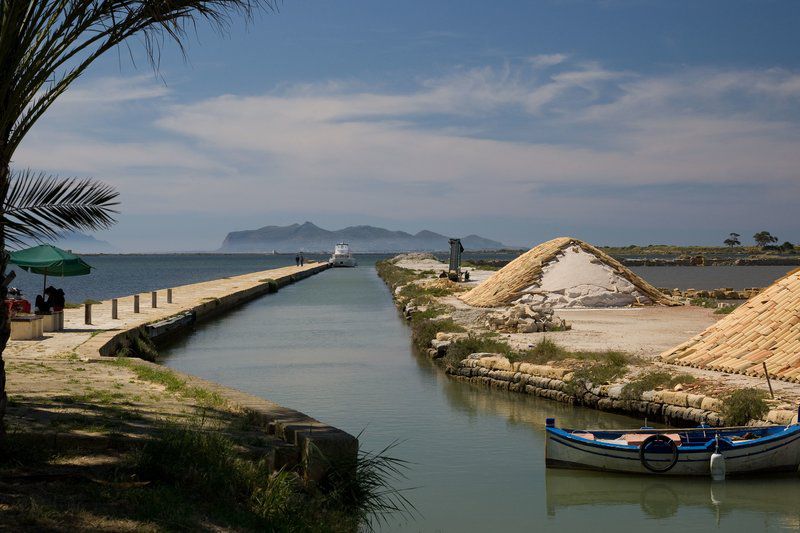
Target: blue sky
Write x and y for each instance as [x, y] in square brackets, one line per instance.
[617, 121]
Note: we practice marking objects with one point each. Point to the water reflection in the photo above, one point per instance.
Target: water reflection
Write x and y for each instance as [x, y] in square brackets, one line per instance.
[522, 409]
[662, 497]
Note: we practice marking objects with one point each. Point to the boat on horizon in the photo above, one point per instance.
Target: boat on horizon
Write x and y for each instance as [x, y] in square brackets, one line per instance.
[700, 451]
[342, 257]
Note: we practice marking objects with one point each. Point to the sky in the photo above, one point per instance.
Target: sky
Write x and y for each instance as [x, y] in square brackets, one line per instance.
[615, 121]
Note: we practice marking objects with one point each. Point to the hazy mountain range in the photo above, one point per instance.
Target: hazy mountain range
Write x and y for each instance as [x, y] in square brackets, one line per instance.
[80, 243]
[309, 237]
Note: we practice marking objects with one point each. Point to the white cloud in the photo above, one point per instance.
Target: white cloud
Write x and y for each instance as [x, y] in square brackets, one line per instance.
[472, 141]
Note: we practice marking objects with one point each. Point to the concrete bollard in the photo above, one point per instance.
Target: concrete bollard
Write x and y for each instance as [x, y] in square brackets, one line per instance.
[154, 299]
[114, 309]
[135, 303]
[87, 318]
[169, 296]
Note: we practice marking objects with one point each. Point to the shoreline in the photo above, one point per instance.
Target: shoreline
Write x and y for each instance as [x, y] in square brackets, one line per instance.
[78, 400]
[440, 321]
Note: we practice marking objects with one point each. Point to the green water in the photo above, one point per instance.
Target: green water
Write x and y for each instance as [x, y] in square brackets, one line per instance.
[334, 347]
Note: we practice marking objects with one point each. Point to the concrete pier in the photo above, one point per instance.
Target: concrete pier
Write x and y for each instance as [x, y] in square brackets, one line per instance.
[308, 443]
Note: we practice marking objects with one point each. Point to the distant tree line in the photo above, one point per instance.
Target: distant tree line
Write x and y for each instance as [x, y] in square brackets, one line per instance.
[763, 239]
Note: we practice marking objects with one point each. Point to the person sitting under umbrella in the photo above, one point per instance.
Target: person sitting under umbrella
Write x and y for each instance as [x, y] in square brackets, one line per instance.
[42, 307]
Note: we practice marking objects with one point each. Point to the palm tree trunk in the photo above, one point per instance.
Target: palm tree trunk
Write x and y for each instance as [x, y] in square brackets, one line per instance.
[5, 325]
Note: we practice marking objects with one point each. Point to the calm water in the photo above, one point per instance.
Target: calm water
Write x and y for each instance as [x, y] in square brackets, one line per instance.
[122, 275]
[333, 346]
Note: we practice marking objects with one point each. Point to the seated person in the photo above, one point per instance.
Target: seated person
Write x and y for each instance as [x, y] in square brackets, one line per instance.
[59, 300]
[42, 307]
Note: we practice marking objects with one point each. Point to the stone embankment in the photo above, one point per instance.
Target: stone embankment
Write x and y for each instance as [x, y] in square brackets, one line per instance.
[726, 293]
[554, 383]
[697, 260]
[701, 260]
[636, 383]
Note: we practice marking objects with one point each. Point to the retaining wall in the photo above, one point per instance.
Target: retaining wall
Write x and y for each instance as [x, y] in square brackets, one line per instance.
[671, 407]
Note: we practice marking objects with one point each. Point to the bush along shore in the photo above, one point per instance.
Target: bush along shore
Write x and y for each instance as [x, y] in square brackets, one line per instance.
[464, 346]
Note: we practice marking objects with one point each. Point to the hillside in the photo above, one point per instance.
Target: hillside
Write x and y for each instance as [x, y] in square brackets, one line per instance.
[309, 237]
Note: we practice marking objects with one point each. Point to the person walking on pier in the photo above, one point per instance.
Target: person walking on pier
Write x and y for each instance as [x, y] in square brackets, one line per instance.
[297, 260]
[302, 259]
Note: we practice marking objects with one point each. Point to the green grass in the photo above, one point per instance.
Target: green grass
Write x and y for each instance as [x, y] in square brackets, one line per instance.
[245, 494]
[424, 331]
[605, 367]
[472, 343]
[743, 405]
[708, 303]
[652, 380]
[171, 382]
[414, 291]
[725, 309]
[192, 478]
[395, 276]
[272, 285]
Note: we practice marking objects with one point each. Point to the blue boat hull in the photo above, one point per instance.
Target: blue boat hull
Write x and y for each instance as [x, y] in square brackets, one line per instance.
[774, 449]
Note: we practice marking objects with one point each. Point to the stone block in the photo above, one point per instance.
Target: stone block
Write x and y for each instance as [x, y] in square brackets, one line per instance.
[711, 404]
[695, 400]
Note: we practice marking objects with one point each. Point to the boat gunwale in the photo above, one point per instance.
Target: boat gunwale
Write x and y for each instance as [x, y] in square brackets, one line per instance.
[787, 431]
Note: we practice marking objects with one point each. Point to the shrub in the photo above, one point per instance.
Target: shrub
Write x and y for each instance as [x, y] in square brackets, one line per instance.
[546, 350]
[207, 465]
[462, 348]
[603, 367]
[424, 331]
[725, 309]
[743, 405]
[272, 285]
[708, 303]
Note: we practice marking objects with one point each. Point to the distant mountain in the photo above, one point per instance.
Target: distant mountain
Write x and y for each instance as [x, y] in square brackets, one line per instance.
[82, 243]
[308, 237]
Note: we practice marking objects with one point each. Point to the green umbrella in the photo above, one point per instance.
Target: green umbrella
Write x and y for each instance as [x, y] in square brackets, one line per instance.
[48, 260]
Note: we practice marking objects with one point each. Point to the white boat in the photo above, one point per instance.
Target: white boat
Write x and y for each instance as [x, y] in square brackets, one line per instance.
[699, 451]
[342, 257]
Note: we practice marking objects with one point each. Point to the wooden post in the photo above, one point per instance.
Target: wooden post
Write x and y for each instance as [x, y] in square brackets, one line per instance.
[114, 308]
[87, 318]
[135, 303]
[169, 296]
[154, 299]
[769, 383]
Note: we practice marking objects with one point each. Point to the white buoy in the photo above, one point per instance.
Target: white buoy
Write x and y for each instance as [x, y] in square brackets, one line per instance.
[717, 464]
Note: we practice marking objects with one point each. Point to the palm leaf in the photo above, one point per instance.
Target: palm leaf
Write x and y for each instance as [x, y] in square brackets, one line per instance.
[38, 206]
[45, 45]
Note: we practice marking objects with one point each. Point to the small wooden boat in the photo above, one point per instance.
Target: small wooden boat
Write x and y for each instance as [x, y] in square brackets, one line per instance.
[700, 451]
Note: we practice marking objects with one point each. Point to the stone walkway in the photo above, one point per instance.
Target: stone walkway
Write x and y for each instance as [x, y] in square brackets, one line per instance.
[85, 340]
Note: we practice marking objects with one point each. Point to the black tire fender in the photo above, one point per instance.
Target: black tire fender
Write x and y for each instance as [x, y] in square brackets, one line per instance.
[658, 437]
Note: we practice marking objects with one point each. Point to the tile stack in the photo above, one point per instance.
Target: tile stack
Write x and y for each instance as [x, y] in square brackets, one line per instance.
[765, 329]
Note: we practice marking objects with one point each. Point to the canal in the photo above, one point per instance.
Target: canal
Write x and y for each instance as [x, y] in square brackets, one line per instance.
[334, 347]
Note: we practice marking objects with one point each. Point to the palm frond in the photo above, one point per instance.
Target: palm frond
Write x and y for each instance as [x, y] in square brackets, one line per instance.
[39, 206]
[45, 45]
